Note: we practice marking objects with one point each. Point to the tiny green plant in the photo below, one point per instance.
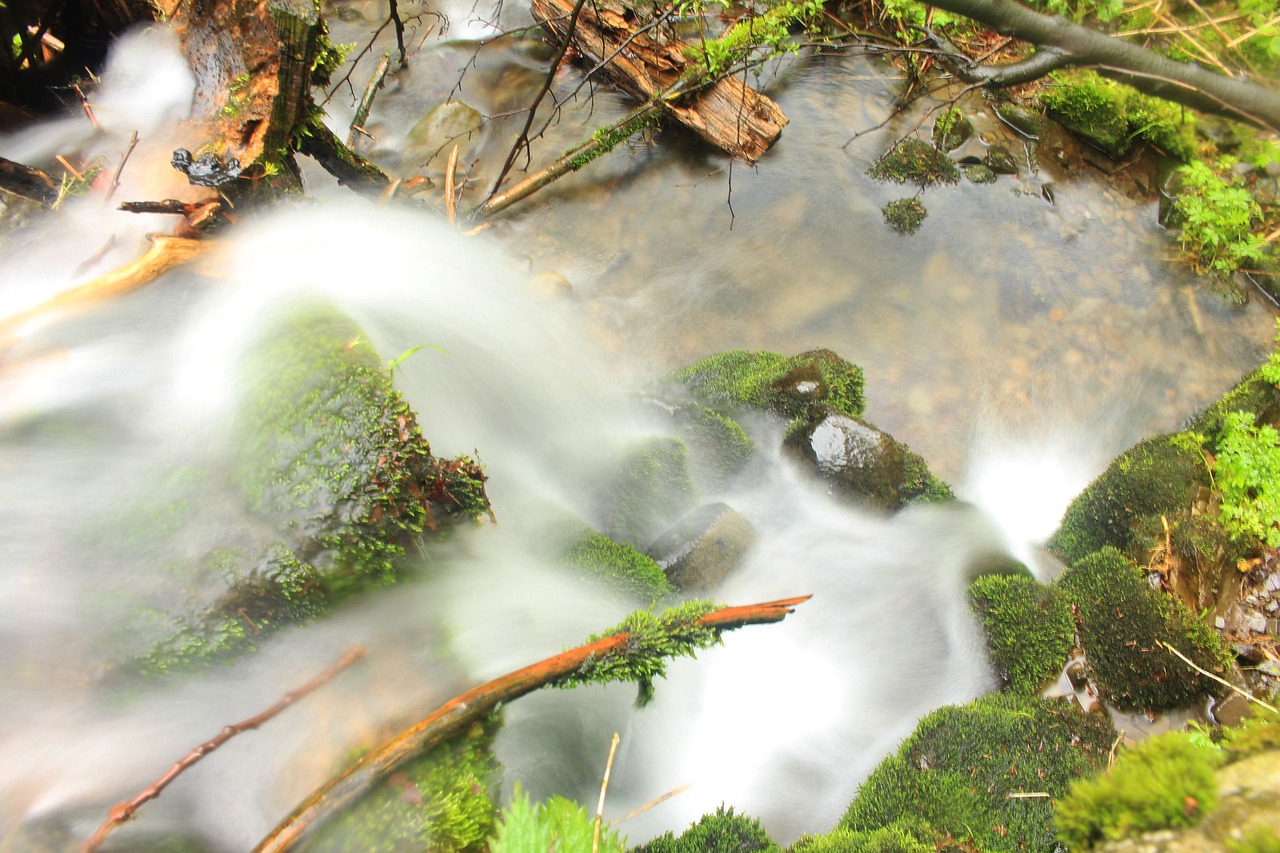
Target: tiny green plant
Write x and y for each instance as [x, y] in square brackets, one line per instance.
[1248, 475]
[1218, 218]
[393, 363]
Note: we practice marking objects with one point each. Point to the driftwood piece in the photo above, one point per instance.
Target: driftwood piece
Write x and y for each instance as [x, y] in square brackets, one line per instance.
[165, 254]
[644, 63]
[457, 715]
[31, 184]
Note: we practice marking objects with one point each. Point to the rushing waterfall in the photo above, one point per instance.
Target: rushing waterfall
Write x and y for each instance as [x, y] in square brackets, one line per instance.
[103, 410]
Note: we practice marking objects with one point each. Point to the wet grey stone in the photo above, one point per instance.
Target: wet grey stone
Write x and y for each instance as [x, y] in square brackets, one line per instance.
[1000, 161]
[704, 547]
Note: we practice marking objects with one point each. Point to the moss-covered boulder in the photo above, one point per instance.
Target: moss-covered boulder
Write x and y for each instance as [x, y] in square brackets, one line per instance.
[914, 161]
[1124, 626]
[767, 381]
[956, 772]
[903, 836]
[725, 831]
[335, 479]
[719, 448]
[1113, 116]
[862, 463]
[1028, 629]
[1152, 479]
[647, 491]
[440, 801]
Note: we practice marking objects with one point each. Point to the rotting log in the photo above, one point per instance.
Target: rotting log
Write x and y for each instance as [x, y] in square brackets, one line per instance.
[458, 714]
[646, 62]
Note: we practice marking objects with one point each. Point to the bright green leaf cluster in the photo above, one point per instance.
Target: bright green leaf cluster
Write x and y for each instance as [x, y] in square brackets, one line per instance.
[1248, 475]
[1218, 215]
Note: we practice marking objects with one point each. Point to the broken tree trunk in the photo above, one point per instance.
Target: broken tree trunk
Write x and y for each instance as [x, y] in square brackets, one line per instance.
[458, 714]
[647, 61]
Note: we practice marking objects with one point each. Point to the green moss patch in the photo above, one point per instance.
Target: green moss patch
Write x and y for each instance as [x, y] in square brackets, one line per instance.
[1112, 115]
[956, 772]
[621, 567]
[1122, 624]
[649, 490]
[914, 161]
[1151, 479]
[767, 381]
[1029, 630]
[1162, 783]
[725, 831]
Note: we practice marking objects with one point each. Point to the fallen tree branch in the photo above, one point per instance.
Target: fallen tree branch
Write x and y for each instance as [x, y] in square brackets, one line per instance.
[457, 715]
[1143, 69]
[31, 184]
[165, 254]
[122, 812]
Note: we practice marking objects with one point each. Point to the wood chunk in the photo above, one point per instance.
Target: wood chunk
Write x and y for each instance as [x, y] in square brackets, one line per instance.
[733, 117]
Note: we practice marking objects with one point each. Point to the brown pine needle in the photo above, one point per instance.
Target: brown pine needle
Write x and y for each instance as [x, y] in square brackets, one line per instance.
[450, 203]
[76, 173]
[122, 812]
[604, 785]
[1246, 694]
[655, 801]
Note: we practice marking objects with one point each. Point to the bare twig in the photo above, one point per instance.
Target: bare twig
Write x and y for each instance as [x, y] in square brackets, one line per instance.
[84, 102]
[395, 17]
[604, 786]
[115, 179]
[450, 200]
[366, 100]
[122, 812]
[1246, 694]
[459, 713]
[522, 140]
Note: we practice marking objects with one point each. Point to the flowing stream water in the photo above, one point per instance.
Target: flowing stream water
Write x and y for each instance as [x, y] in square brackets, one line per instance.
[1021, 339]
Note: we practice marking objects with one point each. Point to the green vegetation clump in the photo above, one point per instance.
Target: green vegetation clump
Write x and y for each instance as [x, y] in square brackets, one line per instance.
[1162, 783]
[1123, 623]
[1151, 479]
[951, 129]
[1029, 629]
[1247, 473]
[1258, 839]
[1112, 115]
[768, 381]
[904, 215]
[914, 161]
[722, 832]
[1218, 216]
[652, 639]
[441, 801]
[558, 825]
[956, 771]
[620, 566]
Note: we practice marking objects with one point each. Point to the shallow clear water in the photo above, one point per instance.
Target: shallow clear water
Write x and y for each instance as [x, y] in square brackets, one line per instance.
[1016, 343]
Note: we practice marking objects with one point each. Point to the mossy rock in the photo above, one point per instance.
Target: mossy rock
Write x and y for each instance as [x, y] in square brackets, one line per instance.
[1252, 394]
[618, 566]
[904, 215]
[767, 381]
[1164, 782]
[1152, 479]
[956, 771]
[725, 831]
[441, 801]
[861, 462]
[1028, 628]
[1112, 115]
[1123, 622]
[337, 481]
[914, 161]
[951, 129]
[719, 448]
[648, 491]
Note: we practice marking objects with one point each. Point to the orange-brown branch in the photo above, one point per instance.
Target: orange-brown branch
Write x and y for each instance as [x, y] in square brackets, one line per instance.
[122, 812]
[456, 716]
